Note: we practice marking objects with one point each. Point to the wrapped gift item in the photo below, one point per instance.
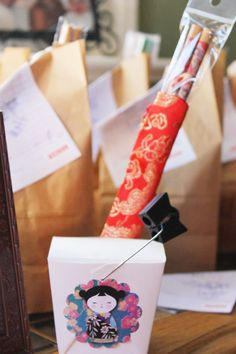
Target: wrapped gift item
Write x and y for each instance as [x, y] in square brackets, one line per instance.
[91, 310]
[199, 184]
[200, 44]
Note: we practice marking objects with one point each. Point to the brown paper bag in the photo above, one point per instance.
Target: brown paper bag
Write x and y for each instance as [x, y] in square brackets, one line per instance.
[231, 73]
[193, 188]
[130, 80]
[11, 59]
[227, 227]
[218, 73]
[227, 219]
[61, 204]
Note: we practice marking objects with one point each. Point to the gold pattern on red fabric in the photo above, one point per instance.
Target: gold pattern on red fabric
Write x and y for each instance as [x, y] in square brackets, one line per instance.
[121, 232]
[158, 131]
[133, 172]
[137, 197]
[158, 121]
[165, 100]
[153, 149]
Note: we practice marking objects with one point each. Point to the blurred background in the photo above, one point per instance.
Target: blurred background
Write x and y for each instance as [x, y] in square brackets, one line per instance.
[152, 16]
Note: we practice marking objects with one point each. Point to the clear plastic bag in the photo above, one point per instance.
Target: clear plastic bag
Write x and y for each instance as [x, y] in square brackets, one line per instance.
[206, 26]
[67, 32]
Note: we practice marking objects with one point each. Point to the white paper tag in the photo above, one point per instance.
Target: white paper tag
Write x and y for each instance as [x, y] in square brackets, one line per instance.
[102, 105]
[204, 292]
[118, 135]
[38, 143]
[229, 141]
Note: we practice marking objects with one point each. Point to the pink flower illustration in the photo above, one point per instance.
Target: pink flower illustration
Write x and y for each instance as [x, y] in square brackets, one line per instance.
[134, 328]
[139, 312]
[133, 322]
[128, 322]
[109, 282]
[125, 323]
[125, 287]
[132, 299]
[132, 308]
[82, 338]
[125, 314]
[135, 311]
[73, 314]
[126, 339]
[87, 286]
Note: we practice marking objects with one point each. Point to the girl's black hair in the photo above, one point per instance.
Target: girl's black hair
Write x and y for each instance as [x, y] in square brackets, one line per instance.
[102, 291]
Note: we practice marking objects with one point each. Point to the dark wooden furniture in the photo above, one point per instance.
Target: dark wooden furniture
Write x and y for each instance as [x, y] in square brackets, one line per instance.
[14, 330]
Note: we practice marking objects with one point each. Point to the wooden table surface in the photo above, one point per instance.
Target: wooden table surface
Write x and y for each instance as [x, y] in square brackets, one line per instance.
[193, 333]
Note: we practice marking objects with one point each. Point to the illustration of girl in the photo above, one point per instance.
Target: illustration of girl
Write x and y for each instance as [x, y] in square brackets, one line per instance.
[102, 313]
[101, 301]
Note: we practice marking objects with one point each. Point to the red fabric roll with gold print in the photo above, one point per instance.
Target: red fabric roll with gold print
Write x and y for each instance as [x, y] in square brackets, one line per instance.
[197, 51]
[158, 131]
[156, 137]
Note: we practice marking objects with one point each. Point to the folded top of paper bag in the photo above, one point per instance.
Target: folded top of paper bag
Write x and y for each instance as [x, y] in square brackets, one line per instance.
[100, 250]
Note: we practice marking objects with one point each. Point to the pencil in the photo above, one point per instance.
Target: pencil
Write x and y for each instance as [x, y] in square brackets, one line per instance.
[195, 63]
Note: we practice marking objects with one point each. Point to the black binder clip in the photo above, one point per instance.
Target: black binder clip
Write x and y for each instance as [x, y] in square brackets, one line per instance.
[161, 217]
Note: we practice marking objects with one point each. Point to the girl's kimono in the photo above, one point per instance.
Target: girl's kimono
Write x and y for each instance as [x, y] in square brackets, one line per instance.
[102, 328]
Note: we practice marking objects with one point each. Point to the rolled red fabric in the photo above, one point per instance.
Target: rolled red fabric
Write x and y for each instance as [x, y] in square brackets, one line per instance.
[158, 131]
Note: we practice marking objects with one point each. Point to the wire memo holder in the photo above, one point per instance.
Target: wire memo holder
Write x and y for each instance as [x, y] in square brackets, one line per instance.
[134, 254]
[162, 221]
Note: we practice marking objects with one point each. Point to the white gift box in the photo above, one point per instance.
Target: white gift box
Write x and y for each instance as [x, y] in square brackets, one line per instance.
[115, 314]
